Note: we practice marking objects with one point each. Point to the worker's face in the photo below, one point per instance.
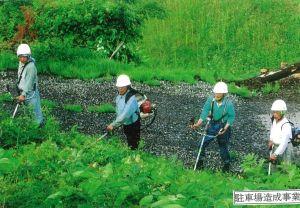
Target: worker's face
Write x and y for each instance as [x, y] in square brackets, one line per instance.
[23, 59]
[122, 90]
[277, 115]
[219, 96]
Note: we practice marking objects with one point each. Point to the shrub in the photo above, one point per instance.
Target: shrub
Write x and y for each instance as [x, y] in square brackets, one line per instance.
[101, 25]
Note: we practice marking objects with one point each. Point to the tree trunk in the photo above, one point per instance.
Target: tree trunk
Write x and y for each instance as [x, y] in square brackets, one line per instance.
[270, 77]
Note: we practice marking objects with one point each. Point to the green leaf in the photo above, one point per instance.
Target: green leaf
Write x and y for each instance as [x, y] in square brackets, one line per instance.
[146, 200]
[107, 170]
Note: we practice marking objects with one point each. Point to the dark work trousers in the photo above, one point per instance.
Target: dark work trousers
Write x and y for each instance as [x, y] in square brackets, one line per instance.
[133, 132]
[223, 141]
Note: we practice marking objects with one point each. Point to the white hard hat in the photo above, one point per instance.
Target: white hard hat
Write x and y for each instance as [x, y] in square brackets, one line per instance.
[220, 87]
[23, 49]
[278, 105]
[123, 80]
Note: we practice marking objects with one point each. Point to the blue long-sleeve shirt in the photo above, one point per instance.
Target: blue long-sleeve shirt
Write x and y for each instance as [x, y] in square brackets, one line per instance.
[229, 114]
[127, 113]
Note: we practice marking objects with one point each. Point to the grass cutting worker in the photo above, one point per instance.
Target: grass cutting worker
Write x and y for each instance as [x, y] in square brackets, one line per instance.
[27, 82]
[220, 111]
[127, 112]
[280, 134]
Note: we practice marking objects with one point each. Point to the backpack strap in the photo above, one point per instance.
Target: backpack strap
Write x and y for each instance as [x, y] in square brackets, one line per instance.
[292, 124]
[210, 115]
[131, 93]
[20, 77]
[272, 119]
[224, 111]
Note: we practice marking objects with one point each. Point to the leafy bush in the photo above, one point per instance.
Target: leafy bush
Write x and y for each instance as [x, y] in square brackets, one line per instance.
[69, 169]
[97, 25]
[17, 131]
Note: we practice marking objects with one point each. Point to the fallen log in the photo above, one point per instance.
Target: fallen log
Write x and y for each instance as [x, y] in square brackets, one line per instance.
[266, 77]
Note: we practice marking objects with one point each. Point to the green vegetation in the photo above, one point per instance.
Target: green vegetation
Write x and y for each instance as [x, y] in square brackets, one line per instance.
[5, 97]
[103, 108]
[243, 91]
[227, 37]
[73, 108]
[49, 104]
[50, 168]
[180, 41]
[152, 82]
[7, 60]
[270, 88]
[100, 26]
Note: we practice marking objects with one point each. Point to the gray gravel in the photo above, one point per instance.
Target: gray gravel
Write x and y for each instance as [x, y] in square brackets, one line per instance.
[169, 135]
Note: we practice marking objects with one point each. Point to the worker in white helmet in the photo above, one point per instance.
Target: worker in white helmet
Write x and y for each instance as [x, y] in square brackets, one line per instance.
[280, 134]
[27, 83]
[219, 110]
[128, 113]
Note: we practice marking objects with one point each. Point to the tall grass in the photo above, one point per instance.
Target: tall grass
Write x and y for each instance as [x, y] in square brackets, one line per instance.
[232, 36]
[8, 60]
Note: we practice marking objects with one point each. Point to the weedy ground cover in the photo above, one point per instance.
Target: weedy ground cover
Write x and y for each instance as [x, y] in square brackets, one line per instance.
[73, 107]
[103, 108]
[48, 167]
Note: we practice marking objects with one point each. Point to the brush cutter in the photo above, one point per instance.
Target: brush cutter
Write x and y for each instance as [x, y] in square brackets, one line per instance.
[93, 143]
[192, 121]
[16, 109]
[14, 94]
[201, 145]
[270, 162]
[97, 140]
[18, 104]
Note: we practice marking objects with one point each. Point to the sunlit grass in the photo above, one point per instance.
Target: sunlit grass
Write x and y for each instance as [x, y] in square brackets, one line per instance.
[103, 108]
[221, 36]
[73, 108]
[5, 97]
[8, 60]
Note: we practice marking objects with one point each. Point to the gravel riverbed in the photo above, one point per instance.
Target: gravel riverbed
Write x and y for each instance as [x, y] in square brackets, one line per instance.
[169, 135]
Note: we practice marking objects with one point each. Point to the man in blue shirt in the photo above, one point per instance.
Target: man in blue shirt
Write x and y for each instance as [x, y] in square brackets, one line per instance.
[127, 112]
[220, 110]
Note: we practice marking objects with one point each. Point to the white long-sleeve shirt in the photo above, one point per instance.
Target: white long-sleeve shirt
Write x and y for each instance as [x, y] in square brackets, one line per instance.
[281, 133]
